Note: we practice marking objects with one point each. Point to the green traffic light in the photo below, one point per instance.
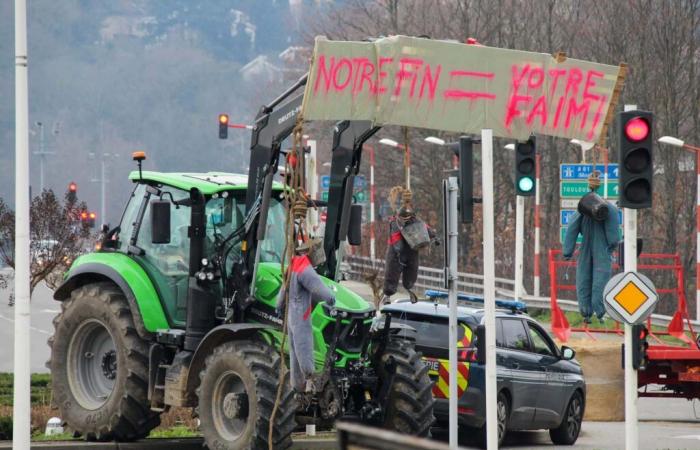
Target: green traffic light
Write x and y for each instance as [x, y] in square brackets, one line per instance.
[526, 184]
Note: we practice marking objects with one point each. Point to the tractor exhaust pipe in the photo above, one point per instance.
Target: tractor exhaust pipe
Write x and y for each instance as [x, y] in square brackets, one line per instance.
[201, 301]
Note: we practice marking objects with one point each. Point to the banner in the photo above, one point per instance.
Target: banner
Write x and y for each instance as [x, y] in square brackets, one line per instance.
[456, 87]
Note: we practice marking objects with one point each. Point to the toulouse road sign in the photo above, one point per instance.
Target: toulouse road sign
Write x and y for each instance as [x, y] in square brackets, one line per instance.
[579, 188]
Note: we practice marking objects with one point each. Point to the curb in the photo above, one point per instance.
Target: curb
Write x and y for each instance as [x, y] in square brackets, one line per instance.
[163, 444]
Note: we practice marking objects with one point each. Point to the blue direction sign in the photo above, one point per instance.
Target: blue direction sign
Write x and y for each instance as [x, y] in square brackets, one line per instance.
[360, 183]
[325, 181]
[582, 171]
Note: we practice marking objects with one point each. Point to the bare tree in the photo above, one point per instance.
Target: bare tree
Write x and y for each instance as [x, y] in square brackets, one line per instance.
[59, 233]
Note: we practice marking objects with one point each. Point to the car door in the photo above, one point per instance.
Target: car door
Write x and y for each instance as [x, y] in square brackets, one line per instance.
[553, 394]
[522, 373]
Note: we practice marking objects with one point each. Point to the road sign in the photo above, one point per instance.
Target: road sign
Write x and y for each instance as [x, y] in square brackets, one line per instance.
[360, 183]
[325, 181]
[562, 233]
[582, 171]
[630, 297]
[324, 196]
[579, 188]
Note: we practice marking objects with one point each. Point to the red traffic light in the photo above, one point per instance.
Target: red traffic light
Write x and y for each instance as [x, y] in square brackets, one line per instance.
[72, 187]
[223, 118]
[637, 129]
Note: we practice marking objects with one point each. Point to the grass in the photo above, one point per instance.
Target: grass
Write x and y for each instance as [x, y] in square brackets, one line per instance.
[179, 431]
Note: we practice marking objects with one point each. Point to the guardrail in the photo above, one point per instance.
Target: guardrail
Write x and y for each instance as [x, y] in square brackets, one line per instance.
[470, 283]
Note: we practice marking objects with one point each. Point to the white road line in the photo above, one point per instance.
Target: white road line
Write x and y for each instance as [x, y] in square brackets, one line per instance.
[688, 436]
[31, 328]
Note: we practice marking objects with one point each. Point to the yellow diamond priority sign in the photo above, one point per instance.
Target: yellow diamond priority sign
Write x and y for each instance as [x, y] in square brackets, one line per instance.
[630, 297]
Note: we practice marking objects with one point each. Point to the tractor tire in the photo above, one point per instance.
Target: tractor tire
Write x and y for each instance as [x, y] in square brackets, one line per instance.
[409, 405]
[99, 367]
[236, 395]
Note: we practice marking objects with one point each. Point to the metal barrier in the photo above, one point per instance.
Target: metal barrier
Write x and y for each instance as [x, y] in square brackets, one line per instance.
[655, 261]
[430, 278]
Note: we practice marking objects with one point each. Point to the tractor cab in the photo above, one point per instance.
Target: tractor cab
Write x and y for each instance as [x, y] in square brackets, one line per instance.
[154, 229]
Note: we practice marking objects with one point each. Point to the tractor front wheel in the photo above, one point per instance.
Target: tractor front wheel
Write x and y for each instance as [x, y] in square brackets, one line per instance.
[99, 366]
[236, 396]
[409, 404]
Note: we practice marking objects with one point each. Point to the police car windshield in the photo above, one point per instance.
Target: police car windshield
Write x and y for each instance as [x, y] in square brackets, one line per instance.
[431, 331]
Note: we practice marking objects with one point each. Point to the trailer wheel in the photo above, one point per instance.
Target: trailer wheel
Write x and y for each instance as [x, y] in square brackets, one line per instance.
[99, 366]
[236, 396]
[409, 405]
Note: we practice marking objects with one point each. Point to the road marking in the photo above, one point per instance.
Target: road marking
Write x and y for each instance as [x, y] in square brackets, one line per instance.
[688, 436]
[31, 328]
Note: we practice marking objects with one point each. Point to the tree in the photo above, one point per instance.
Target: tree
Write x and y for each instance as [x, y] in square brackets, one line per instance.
[57, 237]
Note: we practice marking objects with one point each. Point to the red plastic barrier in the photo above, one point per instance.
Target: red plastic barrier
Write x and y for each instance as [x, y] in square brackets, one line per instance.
[656, 262]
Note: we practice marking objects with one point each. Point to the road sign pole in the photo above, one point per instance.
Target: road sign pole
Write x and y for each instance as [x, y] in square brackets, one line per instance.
[631, 436]
[519, 243]
[452, 234]
[536, 281]
[631, 432]
[489, 287]
[22, 347]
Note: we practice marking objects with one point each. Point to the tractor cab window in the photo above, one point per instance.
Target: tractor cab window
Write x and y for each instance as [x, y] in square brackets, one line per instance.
[129, 217]
[272, 247]
[226, 214]
[171, 259]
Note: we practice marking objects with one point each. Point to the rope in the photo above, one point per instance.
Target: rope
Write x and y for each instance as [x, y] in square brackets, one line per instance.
[296, 200]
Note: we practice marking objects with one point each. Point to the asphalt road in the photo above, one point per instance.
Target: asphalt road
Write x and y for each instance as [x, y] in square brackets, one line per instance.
[666, 423]
[44, 309]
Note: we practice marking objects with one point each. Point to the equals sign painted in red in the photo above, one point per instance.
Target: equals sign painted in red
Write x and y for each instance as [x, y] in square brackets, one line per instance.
[471, 95]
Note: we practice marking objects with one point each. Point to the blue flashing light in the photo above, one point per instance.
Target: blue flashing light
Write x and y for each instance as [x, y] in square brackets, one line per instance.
[501, 303]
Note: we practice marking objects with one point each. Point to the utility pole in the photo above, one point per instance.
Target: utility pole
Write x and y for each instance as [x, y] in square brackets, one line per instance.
[21, 422]
[103, 182]
[42, 154]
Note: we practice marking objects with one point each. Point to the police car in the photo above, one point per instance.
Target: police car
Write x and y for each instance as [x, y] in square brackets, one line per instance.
[540, 386]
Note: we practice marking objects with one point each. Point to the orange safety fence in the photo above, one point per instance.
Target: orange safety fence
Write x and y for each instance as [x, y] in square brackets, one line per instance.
[646, 261]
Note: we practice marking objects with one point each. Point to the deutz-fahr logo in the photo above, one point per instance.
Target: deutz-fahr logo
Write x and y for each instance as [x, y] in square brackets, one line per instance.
[289, 115]
[265, 316]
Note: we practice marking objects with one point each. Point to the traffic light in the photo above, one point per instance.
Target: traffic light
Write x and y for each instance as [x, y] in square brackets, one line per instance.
[466, 182]
[639, 347]
[91, 219]
[223, 126]
[72, 191]
[636, 159]
[525, 180]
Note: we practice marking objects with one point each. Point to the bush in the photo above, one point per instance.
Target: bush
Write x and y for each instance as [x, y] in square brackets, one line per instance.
[5, 428]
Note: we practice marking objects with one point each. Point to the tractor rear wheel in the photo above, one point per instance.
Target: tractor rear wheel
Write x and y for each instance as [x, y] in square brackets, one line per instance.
[409, 405]
[99, 366]
[236, 395]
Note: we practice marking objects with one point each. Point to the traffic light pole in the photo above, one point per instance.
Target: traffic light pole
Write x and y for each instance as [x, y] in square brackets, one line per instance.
[631, 432]
[452, 234]
[631, 424]
[489, 288]
[519, 244]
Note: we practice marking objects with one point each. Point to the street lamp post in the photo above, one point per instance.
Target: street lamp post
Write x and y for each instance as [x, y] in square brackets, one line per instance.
[42, 153]
[406, 160]
[372, 247]
[103, 183]
[675, 142]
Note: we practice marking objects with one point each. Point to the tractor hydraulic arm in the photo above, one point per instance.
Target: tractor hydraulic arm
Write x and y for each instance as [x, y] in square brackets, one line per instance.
[348, 137]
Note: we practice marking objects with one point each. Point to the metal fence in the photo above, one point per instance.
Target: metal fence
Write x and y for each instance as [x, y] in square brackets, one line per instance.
[470, 283]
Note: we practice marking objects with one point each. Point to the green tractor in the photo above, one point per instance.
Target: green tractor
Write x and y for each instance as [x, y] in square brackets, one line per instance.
[178, 309]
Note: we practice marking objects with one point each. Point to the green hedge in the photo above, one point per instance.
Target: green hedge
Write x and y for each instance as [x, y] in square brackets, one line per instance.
[40, 390]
